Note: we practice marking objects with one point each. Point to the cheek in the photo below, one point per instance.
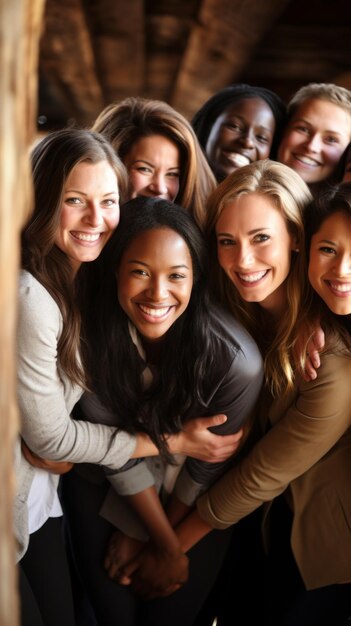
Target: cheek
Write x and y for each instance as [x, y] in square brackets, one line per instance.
[334, 153]
[223, 257]
[314, 273]
[264, 150]
[112, 220]
[136, 182]
[287, 143]
[173, 186]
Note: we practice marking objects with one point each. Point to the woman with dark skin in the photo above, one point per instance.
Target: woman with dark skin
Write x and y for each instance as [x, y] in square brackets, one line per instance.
[299, 469]
[238, 125]
[167, 354]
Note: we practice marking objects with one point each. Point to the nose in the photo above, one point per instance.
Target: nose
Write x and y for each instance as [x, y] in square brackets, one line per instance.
[93, 215]
[247, 138]
[244, 256]
[157, 290]
[158, 184]
[342, 266]
[314, 143]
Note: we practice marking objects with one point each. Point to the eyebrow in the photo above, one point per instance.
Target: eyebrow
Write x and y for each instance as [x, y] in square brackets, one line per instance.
[243, 119]
[251, 232]
[172, 267]
[82, 193]
[301, 119]
[333, 243]
[174, 167]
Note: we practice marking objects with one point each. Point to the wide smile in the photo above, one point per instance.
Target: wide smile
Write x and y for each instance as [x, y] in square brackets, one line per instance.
[236, 158]
[338, 288]
[251, 279]
[86, 237]
[306, 160]
[154, 314]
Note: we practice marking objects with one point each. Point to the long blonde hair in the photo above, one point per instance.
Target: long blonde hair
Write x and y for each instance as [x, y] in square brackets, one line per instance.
[125, 122]
[290, 195]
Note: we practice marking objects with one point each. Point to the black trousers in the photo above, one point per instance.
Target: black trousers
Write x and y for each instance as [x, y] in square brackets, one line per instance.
[270, 588]
[44, 579]
[117, 605]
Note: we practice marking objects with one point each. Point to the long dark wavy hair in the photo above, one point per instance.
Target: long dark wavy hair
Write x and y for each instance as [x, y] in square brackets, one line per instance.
[111, 358]
[53, 159]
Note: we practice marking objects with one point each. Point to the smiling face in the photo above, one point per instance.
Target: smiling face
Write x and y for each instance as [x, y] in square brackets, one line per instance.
[155, 279]
[89, 212]
[315, 138]
[254, 249]
[241, 135]
[153, 165]
[329, 269]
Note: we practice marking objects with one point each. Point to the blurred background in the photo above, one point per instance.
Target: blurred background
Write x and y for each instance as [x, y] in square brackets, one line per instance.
[94, 52]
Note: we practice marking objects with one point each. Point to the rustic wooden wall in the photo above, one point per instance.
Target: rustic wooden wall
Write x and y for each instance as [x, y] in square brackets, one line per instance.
[20, 23]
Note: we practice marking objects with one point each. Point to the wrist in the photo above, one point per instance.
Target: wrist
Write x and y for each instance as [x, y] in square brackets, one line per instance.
[176, 443]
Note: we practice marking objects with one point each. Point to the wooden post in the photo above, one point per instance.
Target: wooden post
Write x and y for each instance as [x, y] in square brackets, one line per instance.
[20, 24]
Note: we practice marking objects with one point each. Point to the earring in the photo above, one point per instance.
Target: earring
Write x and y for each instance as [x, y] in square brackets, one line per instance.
[297, 250]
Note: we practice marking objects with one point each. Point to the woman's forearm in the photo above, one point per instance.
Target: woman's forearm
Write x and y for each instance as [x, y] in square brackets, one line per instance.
[148, 507]
[191, 530]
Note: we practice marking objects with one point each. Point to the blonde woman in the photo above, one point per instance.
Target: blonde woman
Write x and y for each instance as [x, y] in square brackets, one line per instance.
[317, 132]
[299, 466]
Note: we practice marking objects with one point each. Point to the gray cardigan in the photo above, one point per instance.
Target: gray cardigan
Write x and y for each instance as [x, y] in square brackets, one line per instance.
[46, 398]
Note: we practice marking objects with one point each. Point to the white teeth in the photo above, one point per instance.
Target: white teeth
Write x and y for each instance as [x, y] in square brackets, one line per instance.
[306, 160]
[238, 159]
[342, 287]
[154, 312]
[86, 236]
[251, 278]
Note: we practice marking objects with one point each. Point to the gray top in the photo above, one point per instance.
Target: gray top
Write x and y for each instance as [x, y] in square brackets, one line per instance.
[232, 385]
[46, 398]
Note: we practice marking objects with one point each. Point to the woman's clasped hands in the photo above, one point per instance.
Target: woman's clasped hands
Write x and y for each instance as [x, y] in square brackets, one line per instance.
[150, 570]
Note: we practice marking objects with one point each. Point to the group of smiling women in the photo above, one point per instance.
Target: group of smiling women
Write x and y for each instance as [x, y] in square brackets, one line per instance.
[184, 366]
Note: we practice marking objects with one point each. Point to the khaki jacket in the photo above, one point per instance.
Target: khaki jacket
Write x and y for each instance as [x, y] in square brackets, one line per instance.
[306, 453]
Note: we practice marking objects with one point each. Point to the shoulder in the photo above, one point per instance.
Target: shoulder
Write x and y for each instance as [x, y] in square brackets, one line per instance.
[232, 334]
[36, 307]
[237, 355]
[34, 295]
[334, 373]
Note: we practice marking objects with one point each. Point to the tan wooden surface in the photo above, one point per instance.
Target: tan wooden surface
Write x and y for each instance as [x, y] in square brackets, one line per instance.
[20, 23]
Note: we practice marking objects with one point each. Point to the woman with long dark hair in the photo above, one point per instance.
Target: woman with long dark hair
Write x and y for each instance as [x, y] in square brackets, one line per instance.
[158, 352]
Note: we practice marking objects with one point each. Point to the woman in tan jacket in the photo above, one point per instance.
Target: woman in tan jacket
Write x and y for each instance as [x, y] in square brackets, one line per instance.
[301, 465]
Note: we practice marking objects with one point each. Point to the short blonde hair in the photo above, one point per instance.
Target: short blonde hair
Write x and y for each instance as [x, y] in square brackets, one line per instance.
[321, 91]
[290, 195]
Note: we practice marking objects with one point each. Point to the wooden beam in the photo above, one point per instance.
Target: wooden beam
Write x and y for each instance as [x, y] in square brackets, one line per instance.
[168, 27]
[67, 59]
[220, 46]
[117, 32]
[20, 23]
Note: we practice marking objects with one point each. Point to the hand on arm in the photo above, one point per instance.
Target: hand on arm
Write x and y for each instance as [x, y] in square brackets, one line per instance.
[198, 442]
[312, 345]
[55, 467]
[195, 440]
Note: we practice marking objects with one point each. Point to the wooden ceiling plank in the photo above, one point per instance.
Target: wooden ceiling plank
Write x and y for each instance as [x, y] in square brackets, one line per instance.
[219, 47]
[117, 31]
[67, 59]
